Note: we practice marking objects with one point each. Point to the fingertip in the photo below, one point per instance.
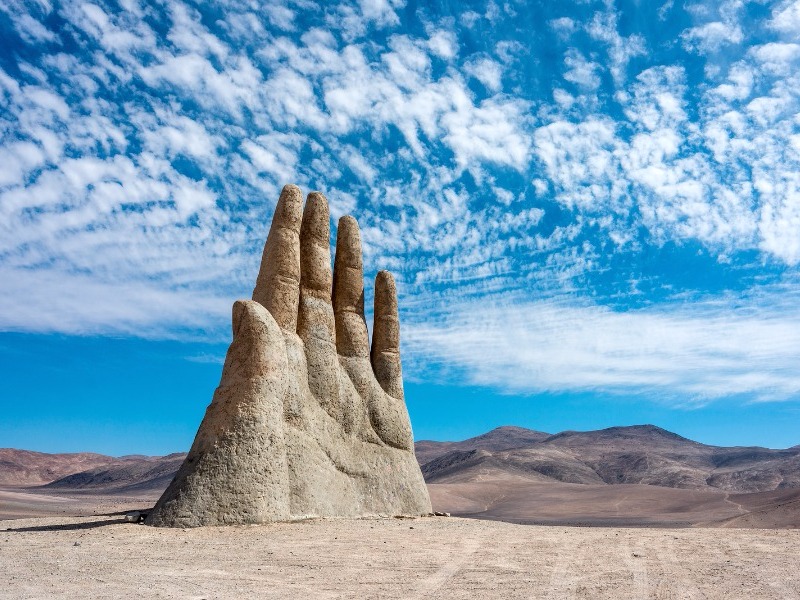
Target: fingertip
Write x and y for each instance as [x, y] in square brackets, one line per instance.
[348, 222]
[289, 210]
[348, 243]
[385, 278]
[316, 218]
[237, 314]
[278, 283]
[385, 293]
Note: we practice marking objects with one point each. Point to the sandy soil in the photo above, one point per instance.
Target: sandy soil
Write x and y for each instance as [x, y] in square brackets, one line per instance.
[19, 503]
[524, 502]
[102, 557]
[551, 503]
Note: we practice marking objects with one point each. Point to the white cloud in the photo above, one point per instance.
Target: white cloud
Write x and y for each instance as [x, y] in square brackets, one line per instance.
[117, 39]
[786, 19]
[382, 12]
[657, 100]
[581, 71]
[487, 133]
[275, 154]
[739, 83]
[142, 167]
[443, 44]
[563, 25]
[621, 50]
[780, 219]
[469, 18]
[409, 65]
[88, 305]
[487, 71]
[778, 57]
[30, 29]
[188, 35]
[231, 89]
[46, 100]
[360, 167]
[17, 160]
[183, 136]
[681, 354]
[580, 159]
[711, 37]
[563, 99]
[281, 16]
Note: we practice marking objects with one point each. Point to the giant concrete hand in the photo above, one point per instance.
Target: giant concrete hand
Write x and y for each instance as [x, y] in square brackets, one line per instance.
[307, 419]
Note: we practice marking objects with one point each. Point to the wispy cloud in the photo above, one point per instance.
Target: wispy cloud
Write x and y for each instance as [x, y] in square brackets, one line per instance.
[679, 354]
[141, 152]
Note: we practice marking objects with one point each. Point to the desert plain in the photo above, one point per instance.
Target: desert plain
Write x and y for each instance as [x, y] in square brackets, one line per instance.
[425, 557]
[526, 537]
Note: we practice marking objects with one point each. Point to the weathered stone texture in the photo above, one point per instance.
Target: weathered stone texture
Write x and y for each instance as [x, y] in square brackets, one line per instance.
[308, 420]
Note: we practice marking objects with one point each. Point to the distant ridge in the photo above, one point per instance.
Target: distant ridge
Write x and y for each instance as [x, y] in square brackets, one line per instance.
[625, 432]
[621, 476]
[498, 439]
[639, 454]
[26, 468]
[128, 475]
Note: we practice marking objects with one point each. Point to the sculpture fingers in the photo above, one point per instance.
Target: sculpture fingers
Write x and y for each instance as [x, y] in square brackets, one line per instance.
[315, 323]
[236, 471]
[385, 354]
[278, 283]
[295, 428]
[352, 338]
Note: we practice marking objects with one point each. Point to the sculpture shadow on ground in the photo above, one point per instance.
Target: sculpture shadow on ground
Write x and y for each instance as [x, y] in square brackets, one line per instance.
[66, 526]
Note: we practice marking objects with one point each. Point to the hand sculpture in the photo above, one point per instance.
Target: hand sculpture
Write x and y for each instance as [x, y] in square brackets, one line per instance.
[307, 420]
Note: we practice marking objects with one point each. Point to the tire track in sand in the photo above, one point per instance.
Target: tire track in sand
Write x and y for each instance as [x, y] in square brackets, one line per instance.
[670, 564]
[636, 563]
[433, 583]
[564, 578]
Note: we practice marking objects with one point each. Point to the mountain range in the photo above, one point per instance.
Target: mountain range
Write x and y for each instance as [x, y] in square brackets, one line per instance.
[639, 475]
[643, 454]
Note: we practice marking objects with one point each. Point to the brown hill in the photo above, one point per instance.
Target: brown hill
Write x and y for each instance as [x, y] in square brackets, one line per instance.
[642, 454]
[25, 468]
[599, 477]
[502, 438]
[510, 473]
[86, 471]
[128, 475]
[623, 455]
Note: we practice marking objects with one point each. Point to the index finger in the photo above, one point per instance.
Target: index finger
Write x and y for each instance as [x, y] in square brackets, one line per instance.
[278, 283]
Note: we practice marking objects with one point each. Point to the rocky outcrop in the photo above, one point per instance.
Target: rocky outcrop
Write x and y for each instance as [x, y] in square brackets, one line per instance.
[308, 419]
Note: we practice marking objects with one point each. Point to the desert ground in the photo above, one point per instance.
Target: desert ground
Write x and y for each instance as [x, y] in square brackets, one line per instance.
[528, 535]
[626, 505]
[428, 557]
[20, 503]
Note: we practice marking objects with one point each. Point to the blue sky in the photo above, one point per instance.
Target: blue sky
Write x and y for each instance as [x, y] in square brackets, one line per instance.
[592, 208]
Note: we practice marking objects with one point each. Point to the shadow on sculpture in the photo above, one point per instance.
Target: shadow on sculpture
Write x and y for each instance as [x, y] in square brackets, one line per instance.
[308, 419]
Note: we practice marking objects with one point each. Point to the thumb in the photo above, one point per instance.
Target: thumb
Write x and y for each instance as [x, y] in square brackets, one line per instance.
[258, 350]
